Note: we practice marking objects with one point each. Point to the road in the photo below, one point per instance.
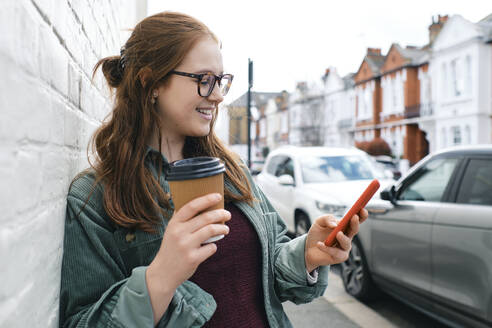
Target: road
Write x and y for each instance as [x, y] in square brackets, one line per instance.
[338, 309]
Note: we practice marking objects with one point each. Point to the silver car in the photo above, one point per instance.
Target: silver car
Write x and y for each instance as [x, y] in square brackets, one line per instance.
[428, 241]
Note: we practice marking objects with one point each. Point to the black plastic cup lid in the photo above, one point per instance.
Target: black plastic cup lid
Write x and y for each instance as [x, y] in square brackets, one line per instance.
[194, 168]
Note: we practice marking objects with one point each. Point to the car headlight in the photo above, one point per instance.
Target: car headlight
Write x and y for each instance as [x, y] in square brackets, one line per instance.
[337, 210]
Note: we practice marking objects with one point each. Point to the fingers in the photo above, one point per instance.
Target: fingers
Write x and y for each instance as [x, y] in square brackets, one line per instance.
[363, 215]
[197, 205]
[344, 242]
[205, 251]
[354, 226]
[209, 231]
[338, 255]
[327, 221]
[209, 217]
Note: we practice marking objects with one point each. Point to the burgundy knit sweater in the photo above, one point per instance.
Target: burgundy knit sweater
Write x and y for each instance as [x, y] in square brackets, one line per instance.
[233, 276]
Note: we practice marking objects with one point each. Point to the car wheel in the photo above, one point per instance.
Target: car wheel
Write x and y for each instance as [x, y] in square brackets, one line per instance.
[355, 274]
[302, 224]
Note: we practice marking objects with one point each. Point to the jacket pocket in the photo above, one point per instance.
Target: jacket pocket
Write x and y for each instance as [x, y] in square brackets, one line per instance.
[137, 248]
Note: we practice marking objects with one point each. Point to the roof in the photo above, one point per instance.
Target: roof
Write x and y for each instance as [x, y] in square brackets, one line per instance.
[413, 54]
[348, 80]
[485, 25]
[375, 62]
[258, 99]
[487, 18]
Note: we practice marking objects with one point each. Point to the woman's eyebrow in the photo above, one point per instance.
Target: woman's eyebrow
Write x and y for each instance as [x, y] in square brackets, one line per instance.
[203, 71]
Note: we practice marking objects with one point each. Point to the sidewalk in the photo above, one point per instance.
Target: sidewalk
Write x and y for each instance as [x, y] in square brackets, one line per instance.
[359, 314]
[335, 309]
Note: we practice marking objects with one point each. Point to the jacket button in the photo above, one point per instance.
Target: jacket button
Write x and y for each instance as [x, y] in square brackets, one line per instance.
[130, 237]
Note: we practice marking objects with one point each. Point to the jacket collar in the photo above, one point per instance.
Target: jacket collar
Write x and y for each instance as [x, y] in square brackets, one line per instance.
[153, 152]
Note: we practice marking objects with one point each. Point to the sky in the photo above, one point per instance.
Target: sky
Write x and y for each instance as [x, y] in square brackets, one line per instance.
[292, 41]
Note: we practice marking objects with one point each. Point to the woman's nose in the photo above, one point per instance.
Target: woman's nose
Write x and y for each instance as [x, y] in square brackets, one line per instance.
[216, 94]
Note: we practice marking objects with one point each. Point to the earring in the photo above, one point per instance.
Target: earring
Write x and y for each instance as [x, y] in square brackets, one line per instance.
[154, 97]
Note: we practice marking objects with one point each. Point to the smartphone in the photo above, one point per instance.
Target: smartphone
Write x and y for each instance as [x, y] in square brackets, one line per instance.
[355, 209]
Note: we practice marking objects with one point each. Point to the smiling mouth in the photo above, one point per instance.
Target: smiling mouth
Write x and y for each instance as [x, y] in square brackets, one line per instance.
[205, 111]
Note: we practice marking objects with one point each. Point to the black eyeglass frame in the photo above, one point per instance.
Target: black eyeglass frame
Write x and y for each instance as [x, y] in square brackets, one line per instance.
[199, 77]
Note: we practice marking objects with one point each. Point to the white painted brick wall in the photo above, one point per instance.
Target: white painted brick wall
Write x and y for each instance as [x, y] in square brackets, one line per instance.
[48, 111]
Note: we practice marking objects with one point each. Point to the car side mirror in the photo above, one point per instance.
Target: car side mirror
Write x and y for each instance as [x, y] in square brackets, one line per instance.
[389, 194]
[286, 180]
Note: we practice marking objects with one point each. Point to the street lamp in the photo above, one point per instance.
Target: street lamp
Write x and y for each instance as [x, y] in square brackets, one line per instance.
[250, 85]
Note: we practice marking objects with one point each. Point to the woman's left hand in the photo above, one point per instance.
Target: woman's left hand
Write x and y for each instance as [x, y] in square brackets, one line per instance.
[317, 254]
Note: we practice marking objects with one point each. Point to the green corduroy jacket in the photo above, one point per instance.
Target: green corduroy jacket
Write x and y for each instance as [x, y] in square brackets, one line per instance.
[103, 267]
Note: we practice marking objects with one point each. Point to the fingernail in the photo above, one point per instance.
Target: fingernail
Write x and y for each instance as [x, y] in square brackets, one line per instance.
[217, 196]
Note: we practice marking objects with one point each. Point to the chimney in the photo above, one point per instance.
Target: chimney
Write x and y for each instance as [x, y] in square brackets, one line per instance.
[374, 51]
[436, 27]
[325, 76]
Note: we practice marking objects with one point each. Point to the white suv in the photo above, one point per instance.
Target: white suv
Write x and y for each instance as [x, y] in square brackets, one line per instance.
[302, 183]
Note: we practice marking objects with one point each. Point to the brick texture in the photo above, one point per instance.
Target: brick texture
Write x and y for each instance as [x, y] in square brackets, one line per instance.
[48, 110]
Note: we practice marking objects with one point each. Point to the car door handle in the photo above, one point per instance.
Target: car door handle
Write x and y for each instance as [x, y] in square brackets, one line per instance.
[377, 210]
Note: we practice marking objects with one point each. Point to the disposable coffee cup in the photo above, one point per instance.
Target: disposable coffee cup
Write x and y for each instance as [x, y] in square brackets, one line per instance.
[195, 177]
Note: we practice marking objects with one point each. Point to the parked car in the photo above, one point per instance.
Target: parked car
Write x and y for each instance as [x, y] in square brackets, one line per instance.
[303, 183]
[389, 164]
[257, 166]
[428, 239]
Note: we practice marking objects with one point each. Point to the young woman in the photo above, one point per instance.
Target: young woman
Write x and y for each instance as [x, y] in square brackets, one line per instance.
[129, 260]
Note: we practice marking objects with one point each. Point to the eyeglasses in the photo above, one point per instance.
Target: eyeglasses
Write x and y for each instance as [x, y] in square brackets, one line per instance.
[206, 82]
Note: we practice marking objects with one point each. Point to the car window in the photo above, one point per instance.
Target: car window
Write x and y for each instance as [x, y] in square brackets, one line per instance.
[286, 167]
[274, 164]
[476, 187]
[431, 181]
[336, 168]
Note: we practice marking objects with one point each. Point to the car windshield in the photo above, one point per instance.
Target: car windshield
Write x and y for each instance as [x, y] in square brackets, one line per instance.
[336, 169]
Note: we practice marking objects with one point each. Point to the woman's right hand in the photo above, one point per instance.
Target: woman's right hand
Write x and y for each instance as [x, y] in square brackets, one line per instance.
[182, 248]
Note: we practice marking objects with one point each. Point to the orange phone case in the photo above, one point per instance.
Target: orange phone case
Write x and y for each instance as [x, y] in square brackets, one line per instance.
[355, 209]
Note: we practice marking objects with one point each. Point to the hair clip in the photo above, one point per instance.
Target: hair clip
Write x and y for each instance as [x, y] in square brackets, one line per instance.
[122, 61]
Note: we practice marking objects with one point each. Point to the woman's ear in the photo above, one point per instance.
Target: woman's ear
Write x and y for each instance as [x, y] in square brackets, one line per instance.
[144, 75]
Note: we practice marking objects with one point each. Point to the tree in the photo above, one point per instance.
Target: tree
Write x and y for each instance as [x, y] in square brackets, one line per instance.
[378, 147]
[362, 145]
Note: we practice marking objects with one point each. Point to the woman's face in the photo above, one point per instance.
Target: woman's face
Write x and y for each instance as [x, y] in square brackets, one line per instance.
[178, 100]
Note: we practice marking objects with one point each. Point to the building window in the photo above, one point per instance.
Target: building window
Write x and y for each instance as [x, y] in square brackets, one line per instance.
[467, 135]
[424, 89]
[262, 128]
[456, 133]
[468, 86]
[401, 93]
[444, 83]
[360, 103]
[284, 122]
[457, 77]
[393, 141]
[427, 91]
[444, 141]
[386, 93]
[393, 95]
[367, 102]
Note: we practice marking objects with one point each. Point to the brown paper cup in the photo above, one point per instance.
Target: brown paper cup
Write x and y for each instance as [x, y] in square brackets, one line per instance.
[188, 180]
